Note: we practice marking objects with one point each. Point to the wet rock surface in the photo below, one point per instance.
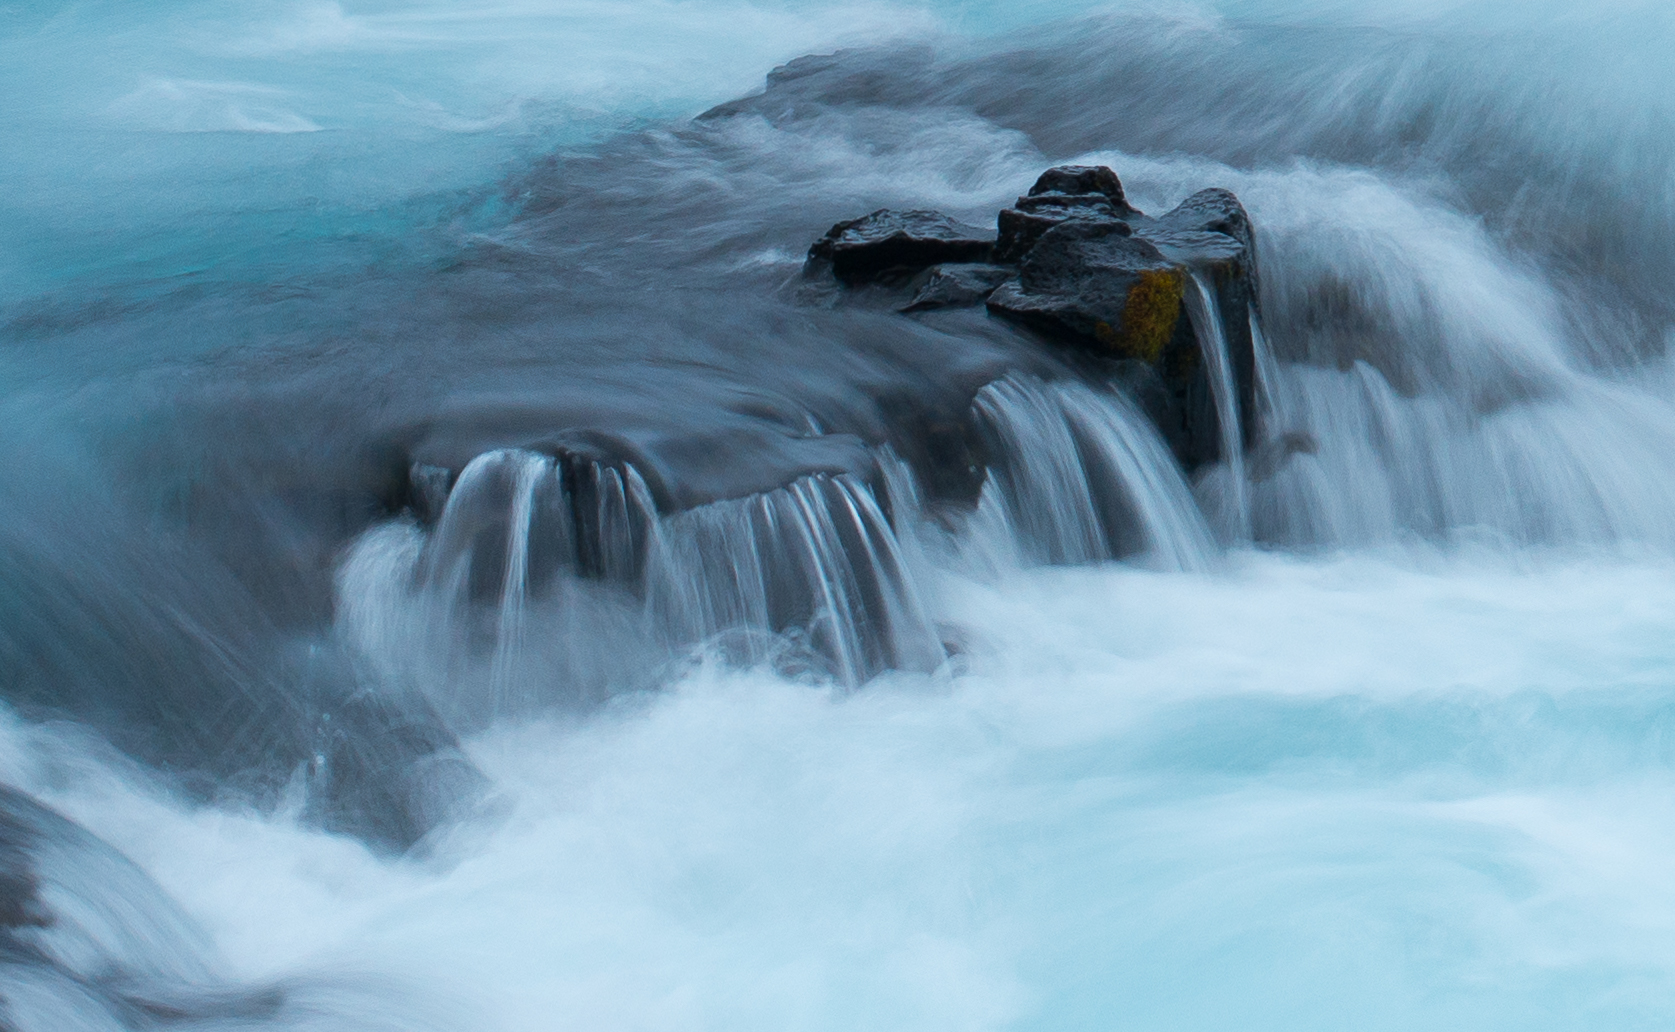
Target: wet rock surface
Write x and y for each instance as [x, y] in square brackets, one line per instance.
[957, 283]
[889, 245]
[1073, 262]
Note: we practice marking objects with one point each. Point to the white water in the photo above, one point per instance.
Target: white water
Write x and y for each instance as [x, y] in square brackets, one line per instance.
[1079, 475]
[1206, 322]
[1421, 790]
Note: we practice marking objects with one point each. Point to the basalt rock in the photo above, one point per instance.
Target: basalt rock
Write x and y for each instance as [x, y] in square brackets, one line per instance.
[956, 283]
[1096, 276]
[893, 245]
[1065, 193]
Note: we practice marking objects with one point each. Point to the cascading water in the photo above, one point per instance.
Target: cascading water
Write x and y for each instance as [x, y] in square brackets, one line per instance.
[482, 581]
[1205, 313]
[817, 556]
[1081, 477]
[524, 542]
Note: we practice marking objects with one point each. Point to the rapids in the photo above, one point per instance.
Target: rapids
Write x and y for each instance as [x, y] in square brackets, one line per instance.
[458, 573]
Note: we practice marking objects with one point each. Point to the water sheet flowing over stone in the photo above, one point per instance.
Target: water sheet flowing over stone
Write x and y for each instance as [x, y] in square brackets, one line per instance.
[1082, 477]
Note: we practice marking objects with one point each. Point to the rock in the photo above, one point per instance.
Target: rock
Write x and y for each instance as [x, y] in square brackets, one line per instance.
[1114, 287]
[1020, 227]
[1210, 234]
[956, 283]
[1093, 283]
[1072, 181]
[893, 245]
[1209, 211]
[1096, 275]
[1067, 192]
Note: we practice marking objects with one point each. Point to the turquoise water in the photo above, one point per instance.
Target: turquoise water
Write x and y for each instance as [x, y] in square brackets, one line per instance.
[1408, 766]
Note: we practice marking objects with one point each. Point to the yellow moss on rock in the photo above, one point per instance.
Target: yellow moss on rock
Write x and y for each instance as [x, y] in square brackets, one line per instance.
[1148, 318]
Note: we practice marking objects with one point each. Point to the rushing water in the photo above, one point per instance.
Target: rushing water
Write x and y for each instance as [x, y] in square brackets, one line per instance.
[457, 573]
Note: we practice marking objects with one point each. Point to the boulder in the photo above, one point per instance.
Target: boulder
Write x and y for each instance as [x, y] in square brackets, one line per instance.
[1094, 283]
[893, 245]
[1068, 192]
[1098, 277]
[956, 283]
[1103, 278]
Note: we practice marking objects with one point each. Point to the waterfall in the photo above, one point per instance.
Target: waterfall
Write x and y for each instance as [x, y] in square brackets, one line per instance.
[1218, 364]
[1586, 466]
[817, 556]
[550, 578]
[1079, 476]
[1267, 377]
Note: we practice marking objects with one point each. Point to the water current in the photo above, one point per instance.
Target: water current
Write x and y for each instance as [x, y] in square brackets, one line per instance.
[458, 573]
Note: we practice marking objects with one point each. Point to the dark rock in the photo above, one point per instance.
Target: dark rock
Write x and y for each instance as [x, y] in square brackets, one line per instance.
[1098, 276]
[956, 283]
[1115, 288]
[1020, 227]
[1067, 192]
[893, 245]
[1082, 181]
[1210, 211]
[1210, 234]
[1094, 283]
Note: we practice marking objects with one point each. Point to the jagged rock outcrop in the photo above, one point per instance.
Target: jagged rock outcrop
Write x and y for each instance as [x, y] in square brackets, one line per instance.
[1075, 262]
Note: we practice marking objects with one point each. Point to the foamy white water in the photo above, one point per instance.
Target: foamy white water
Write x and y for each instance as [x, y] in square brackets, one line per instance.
[1383, 791]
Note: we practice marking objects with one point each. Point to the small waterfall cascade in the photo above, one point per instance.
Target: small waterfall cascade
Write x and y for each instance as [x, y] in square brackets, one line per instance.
[817, 557]
[1267, 377]
[532, 564]
[550, 578]
[1080, 476]
[1205, 316]
[1587, 466]
[516, 519]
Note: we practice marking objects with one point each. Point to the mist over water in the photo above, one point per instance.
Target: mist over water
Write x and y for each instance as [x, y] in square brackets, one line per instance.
[458, 573]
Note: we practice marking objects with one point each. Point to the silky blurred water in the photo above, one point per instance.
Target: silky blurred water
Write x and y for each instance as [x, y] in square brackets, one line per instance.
[1414, 789]
[1404, 762]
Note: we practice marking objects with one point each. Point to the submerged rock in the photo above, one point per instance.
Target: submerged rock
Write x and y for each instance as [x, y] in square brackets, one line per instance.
[893, 245]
